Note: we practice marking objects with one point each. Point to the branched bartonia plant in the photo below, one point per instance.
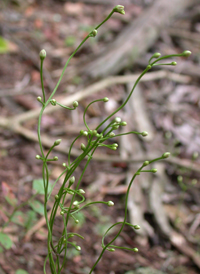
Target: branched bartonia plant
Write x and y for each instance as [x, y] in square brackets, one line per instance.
[94, 140]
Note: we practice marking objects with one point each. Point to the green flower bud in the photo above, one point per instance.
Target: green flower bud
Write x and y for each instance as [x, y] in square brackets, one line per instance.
[156, 55]
[57, 142]
[173, 63]
[38, 157]
[53, 102]
[123, 123]
[118, 120]
[119, 9]
[76, 221]
[81, 132]
[154, 170]
[75, 203]
[94, 132]
[39, 99]
[105, 99]
[55, 158]
[135, 249]
[166, 155]
[115, 127]
[70, 192]
[81, 191]
[62, 213]
[111, 249]
[136, 226]
[113, 148]
[56, 197]
[43, 54]
[72, 180]
[110, 203]
[115, 145]
[85, 133]
[149, 67]
[75, 104]
[78, 248]
[144, 133]
[186, 53]
[112, 134]
[82, 146]
[93, 33]
[146, 163]
[64, 164]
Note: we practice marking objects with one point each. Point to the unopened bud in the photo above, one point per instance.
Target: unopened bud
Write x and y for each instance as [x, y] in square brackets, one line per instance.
[55, 158]
[38, 157]
[144, 133]
[43, 54]
[119, 9]
[85, 133]
[156, 55]
[75, 104]
[93, 33]
[136, 226]
[75, 203]
[154, 170]
[173, 63]
[135, 249]
[112, 134]
[82, 146]
[166, 155]
[57, 142]
[186, 53]
[78, 248]
[39, 99]
[53, 102]
[105, 99]
[123, 123]
[110, 203]
[72, 180]
[146, 163]
[81, 191]
[118, 120]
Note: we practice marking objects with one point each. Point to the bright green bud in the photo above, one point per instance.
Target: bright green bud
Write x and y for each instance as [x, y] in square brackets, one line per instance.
[110, 203]
[111, 249]
[186, 53]
[39, 99]
[144, 133]
[119, 9]
[70, 192]
[75, 203]
[53, 102]
[146, 163]
[173, 63]
[118, 120]
[55, 158]
[113, 148]
[135, 249]
[72, 180]
[105, 99]
[76, 221]
[57, 142]
[93, 33]
[166, 155]
[156, 55]
[62, 213]
[149, 67]
[56, 197]
[82, 146]
[115, 127]
[81, 132]
[136, 226]
[85, 133]
[112, 134]
[115, 145]
[154, 170]
[38, 157]
[81, 191]
[78, 248]
[64, 164]
[75, 104]
[94, 132]
[123, 123]
[43, 54]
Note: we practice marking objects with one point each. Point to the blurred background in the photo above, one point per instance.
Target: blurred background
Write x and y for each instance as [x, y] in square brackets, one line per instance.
[166, 103]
